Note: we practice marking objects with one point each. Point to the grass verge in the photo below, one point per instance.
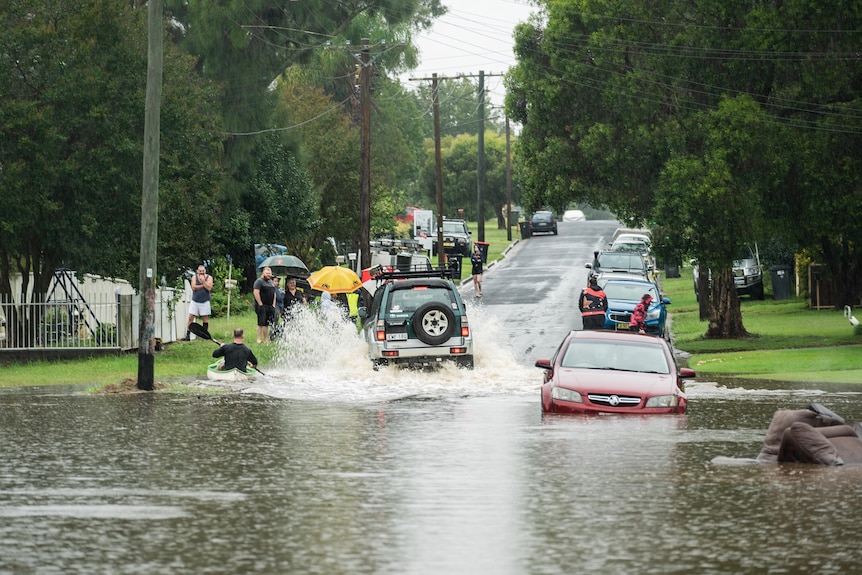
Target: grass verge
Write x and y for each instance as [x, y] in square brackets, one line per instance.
[789, 342]
[177, 364]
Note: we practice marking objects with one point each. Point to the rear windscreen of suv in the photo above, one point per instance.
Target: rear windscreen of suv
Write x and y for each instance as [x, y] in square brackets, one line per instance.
[409, 300]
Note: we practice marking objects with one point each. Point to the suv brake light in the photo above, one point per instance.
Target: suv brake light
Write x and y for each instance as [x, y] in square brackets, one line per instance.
[465, 327]
[381, 330]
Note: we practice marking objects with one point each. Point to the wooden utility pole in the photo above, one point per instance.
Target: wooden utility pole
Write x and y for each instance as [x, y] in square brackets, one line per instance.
[365, 154]
[480, 161]
[508, 185]
[438, 160]
[480, 172]
[150, 200]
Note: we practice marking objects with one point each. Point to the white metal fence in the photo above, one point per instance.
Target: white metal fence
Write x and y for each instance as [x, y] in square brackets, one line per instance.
[93, 313]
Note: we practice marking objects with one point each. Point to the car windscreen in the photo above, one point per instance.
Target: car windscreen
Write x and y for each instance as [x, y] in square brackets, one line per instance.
[409, 300]
[616, 355]
[629, 290]
[621, 261]
[453, 228]
[637, 247]
[542, 217]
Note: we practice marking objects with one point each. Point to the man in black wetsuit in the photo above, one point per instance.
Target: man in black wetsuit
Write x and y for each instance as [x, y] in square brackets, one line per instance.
[236, 355]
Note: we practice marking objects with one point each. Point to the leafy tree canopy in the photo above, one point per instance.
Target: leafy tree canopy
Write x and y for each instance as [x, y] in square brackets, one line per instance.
[720, 123]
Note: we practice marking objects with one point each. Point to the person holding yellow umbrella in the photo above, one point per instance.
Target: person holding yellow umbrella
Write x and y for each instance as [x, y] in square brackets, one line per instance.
[334, 280]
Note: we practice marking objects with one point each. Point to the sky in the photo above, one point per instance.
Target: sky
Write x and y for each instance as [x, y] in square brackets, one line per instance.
[473, 36]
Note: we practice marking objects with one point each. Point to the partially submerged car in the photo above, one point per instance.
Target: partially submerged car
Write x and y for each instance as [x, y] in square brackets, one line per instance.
[624, 294]
[417, 319]
[606, 372]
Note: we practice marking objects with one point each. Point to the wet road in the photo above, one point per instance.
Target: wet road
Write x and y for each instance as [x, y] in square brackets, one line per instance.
[327, 467]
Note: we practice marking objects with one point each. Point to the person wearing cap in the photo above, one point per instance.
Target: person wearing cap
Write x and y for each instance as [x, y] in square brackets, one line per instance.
[638, 321]
[593, 304]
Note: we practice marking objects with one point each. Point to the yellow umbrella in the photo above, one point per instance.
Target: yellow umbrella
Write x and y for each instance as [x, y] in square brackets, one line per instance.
[335, 279]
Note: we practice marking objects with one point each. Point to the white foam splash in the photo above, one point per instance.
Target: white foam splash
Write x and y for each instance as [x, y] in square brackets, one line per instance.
[323, 357]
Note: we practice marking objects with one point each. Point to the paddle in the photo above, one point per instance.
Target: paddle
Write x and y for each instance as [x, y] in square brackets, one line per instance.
[202, 333]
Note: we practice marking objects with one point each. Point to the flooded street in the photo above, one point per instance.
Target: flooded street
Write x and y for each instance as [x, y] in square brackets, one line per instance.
[327, 467]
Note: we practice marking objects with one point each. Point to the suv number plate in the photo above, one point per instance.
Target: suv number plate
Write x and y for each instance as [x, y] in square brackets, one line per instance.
[396, 336]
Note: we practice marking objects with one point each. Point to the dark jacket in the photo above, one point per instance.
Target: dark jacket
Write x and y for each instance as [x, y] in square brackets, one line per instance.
[592, 301]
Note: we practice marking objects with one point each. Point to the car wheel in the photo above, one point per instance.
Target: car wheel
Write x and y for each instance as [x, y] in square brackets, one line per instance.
[465, 362]
[376, 364]
[433, 323]
[757, 292]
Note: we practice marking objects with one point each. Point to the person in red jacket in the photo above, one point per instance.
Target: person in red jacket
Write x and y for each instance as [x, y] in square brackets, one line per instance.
[638, 322]
[593, 304]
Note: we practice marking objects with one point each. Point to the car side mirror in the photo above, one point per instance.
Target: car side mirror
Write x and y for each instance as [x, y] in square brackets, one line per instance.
[543, 363]
[588, 266]
[686, 372]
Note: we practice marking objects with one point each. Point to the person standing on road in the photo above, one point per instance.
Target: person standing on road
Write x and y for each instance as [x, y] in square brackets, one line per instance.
[476, 261]
[638, 322]
[264, 298]
[236, 355]
[593, 304]
[202, 287]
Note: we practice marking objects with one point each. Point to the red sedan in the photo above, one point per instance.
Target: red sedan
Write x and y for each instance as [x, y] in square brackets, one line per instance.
[613, 372]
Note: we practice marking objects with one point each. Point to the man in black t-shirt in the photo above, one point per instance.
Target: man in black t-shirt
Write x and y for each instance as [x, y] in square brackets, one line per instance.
[236, 355]
[264, 298]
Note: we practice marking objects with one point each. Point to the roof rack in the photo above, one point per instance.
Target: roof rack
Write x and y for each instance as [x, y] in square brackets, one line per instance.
[381, 275]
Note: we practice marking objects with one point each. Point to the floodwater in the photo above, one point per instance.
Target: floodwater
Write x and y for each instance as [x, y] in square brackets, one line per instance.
[326, 467]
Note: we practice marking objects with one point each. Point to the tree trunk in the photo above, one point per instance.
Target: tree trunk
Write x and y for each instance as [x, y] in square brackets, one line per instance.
[702, 280]
[725, 315]
[845, 266]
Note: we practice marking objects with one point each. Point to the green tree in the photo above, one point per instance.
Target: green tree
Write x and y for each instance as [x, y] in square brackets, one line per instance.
[704, 129]
[72, 78]
[458, 103]
[459, 165]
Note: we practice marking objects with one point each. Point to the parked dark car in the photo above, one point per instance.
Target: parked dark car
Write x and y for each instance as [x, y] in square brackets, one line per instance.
[608, 262]
[544, 222]
[613, 372]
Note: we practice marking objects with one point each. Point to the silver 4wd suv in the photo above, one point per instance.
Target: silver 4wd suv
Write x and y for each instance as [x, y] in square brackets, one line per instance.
[456, 238]
[417, 320]
[747, 274]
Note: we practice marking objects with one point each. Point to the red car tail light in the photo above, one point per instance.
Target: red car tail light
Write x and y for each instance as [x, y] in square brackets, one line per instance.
[457, 350]
[465, 327]
[381, 331]
[393, 353]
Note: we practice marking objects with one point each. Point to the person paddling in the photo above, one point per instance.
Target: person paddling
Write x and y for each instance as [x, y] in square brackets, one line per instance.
[236, 355]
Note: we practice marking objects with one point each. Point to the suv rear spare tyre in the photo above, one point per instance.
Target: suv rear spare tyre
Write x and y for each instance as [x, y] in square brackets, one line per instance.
[433, 323]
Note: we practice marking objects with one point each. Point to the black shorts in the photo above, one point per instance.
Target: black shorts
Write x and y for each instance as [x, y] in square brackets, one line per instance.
[265, 315]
